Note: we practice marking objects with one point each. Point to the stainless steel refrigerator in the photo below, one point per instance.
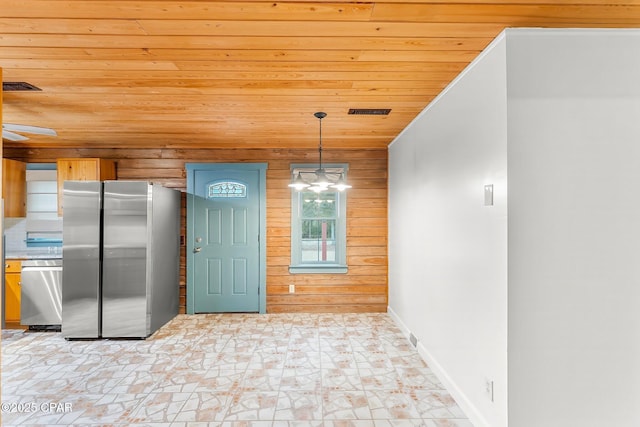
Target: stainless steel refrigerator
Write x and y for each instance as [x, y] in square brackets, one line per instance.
[121, 255]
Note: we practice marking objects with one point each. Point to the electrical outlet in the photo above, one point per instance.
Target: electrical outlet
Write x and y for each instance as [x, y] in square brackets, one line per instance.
[488, 388]
[292, 288]
[413, 340]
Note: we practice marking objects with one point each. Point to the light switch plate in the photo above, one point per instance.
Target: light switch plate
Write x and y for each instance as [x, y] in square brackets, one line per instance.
[488, 195]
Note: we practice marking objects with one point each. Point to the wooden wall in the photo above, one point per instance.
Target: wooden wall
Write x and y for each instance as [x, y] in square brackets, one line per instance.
[362, 289]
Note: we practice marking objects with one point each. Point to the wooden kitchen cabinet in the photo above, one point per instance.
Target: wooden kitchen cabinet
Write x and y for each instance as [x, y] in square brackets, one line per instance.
[14, 188]
[12, 291]
[89, 169]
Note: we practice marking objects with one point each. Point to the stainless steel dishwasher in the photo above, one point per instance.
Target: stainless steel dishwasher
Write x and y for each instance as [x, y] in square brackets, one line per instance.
[41, 300]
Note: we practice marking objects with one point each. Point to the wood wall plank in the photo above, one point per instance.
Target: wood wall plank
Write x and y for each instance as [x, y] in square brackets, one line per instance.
[362, 289]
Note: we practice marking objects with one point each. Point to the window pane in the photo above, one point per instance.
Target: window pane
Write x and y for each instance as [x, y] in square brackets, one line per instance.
[318, 240]
[316, 205]
[317, 228]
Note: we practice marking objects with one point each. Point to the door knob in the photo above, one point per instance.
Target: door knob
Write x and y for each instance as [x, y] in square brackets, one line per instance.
[196, 250]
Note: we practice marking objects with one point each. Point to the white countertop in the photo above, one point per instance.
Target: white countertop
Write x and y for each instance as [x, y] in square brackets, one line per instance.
[35, 253]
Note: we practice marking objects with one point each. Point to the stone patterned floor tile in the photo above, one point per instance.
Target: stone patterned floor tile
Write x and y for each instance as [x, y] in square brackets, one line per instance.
[346, 405]
[253, 405]
[298, 405]
[392, 404]
[228, 370]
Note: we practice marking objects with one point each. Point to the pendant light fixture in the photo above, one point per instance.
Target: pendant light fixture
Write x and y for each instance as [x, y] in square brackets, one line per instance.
[298, 183]
[321, 178]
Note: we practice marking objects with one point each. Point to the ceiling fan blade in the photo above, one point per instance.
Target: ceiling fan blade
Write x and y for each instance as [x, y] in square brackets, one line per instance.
[10, 136]
[29, 129]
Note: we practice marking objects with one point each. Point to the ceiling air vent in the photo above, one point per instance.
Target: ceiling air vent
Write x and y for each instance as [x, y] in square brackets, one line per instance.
[18, 86]
[370, 111]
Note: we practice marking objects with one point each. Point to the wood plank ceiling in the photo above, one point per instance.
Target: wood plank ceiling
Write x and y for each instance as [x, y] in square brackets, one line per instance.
[250, 74]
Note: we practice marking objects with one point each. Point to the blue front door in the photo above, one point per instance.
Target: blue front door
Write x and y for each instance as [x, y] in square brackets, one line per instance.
[224, 233]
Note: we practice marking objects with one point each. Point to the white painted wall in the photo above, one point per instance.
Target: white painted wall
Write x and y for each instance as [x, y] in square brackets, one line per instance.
[574, 228]
[560, 110]
[447, 251]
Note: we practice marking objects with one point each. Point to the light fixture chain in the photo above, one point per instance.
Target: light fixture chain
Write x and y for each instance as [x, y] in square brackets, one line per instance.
[322, 181]
[320, 147]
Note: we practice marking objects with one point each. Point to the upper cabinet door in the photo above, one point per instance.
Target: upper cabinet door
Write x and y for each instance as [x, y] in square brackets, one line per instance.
[89, 169]
[14, 188]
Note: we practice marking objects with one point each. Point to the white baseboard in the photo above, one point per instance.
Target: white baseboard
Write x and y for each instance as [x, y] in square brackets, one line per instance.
[399, 322]
[465, 404]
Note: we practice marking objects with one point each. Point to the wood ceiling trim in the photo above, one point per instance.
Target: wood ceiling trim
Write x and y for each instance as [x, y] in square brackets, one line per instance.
[253, 76]
[293, 10]
[67, 86]
[508, 14]
[287, 101]
[235, 66]
[123, 17]
[178, 141]
[70, 26]
[276, 28]
[480, 36]
[319, 29]
[290, 9]
[214, 87]
[230, 55]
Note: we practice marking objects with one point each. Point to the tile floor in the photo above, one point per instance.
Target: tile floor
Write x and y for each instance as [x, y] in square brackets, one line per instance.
[287, 370]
